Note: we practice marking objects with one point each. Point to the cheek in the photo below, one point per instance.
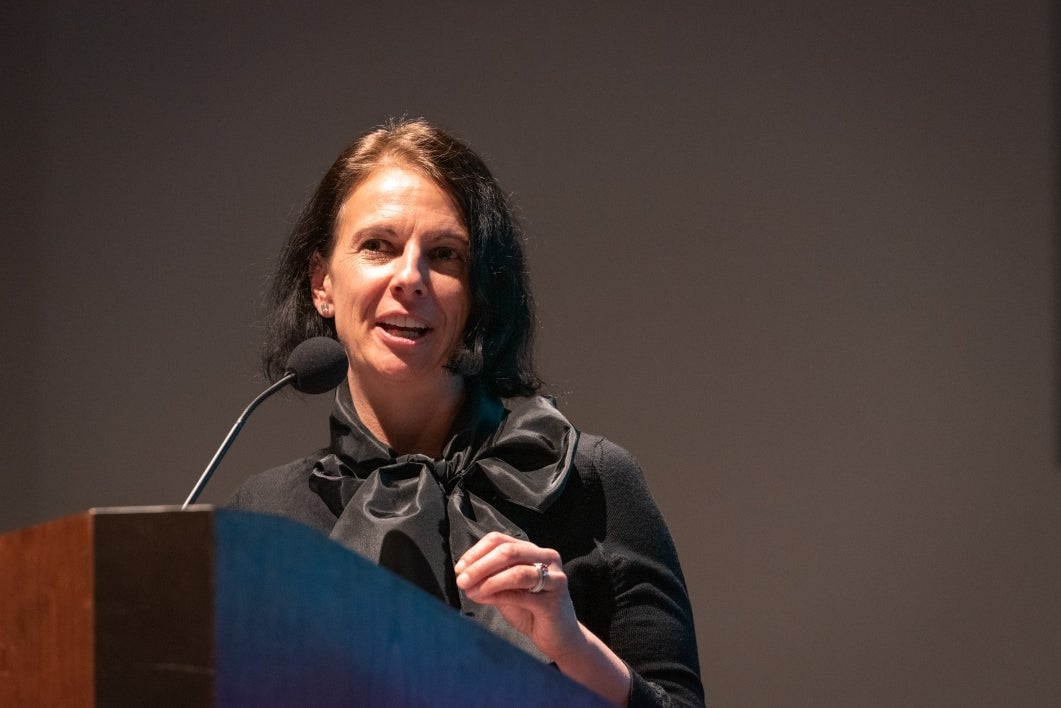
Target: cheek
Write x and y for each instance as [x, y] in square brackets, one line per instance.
[358, 290]
[461, 300]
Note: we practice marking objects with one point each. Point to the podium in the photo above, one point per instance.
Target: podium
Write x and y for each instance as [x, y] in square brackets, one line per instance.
[153, 606]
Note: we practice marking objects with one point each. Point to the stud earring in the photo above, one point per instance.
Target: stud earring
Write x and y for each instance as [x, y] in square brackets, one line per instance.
[325, 309]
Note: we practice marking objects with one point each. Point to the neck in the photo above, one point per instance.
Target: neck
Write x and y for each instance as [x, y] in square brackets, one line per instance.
[412, 419]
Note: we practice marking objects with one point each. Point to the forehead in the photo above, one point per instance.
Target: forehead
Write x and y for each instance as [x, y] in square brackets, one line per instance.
[400, 191]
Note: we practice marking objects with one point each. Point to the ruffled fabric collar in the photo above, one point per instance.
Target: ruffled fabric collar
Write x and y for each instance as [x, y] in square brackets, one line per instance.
[416, 515]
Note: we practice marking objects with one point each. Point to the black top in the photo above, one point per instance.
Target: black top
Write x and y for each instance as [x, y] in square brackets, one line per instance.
[517, 467]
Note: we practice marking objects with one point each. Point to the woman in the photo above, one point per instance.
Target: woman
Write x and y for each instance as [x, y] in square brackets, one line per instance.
[444, 465]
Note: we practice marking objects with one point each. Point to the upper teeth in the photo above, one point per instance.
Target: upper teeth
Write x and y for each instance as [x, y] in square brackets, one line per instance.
[404, 322]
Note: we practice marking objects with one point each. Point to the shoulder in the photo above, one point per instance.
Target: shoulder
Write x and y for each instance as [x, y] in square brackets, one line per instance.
[601, 462]
[273, 485]
[601, 456]
[633, 525]
[284, 491]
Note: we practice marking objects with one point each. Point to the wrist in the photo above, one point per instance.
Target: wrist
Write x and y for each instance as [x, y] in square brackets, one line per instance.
[589, 661]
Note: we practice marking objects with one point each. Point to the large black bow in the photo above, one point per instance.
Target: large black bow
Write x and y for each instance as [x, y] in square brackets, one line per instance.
[415, 515]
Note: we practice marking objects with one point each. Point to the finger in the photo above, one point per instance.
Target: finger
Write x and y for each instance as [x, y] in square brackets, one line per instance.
[522, 579]
[504, 555]
[514, 579]
[541, 580]
[483, 546]
[513, 567]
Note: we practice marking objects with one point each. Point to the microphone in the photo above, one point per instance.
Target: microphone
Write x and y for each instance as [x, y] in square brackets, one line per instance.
[317, 365]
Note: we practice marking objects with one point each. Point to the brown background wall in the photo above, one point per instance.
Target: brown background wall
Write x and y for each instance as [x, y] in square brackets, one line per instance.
[798, 257]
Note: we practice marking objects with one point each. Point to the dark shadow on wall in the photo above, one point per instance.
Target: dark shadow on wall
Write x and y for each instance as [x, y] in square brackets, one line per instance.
[21, 139]
[1055, 50]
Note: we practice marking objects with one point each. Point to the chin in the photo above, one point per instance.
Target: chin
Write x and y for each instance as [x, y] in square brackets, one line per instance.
[401, 372]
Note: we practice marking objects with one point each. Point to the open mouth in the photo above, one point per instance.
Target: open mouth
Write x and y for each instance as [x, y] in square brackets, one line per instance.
[404, 327]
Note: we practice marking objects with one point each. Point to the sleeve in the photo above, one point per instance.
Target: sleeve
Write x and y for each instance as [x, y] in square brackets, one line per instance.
[651, 626]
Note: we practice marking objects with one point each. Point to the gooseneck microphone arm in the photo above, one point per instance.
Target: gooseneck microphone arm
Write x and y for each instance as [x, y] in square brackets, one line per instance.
[316, 365]
[227, 442]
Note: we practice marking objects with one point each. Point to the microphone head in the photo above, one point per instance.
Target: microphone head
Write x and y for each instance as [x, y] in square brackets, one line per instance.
[319, 365]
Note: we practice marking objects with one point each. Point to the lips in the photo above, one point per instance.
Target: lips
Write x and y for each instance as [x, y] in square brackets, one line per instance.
[403, 327]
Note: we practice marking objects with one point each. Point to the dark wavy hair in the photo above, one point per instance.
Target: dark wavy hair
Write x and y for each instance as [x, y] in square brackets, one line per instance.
[498, 337]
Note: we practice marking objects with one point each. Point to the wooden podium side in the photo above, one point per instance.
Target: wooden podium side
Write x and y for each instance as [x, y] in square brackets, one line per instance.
[160, 607]
[46, 615]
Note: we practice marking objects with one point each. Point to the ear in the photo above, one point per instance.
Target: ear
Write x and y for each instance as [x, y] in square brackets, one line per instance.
[320, 284]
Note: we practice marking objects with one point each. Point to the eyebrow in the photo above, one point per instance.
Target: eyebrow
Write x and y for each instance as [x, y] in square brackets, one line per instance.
[457, 234]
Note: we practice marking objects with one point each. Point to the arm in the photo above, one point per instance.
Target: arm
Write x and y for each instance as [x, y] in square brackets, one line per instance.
[650, 625]
[632, 640]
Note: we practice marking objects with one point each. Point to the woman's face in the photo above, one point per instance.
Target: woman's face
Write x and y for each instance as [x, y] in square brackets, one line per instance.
[397, 278]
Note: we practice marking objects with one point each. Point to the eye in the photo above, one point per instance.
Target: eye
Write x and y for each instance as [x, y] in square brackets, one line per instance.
[376, 248]
[447, 253]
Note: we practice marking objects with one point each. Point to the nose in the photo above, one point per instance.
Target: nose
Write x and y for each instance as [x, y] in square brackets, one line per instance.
[410, 279]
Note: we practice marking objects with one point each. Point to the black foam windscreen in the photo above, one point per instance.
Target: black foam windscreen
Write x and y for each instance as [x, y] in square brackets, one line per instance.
[319, 365]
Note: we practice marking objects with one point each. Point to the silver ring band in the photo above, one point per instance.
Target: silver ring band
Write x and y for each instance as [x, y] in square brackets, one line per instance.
[543, 573]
